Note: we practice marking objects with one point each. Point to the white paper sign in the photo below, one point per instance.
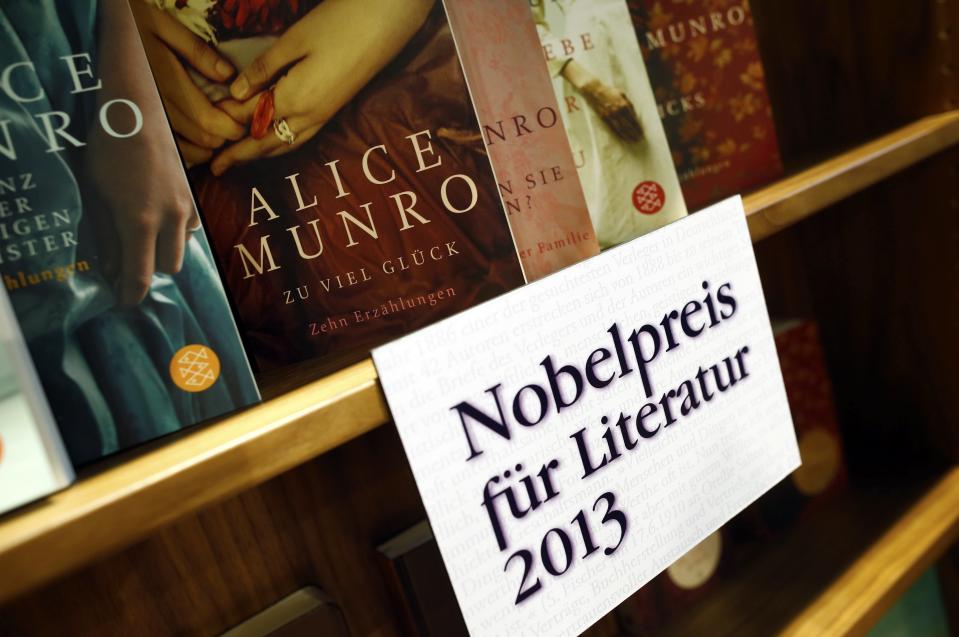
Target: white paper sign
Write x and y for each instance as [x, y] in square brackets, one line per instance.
[573, 438]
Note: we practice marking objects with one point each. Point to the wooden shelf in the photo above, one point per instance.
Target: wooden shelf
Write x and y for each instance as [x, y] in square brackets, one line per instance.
[854, 602]
[118, 505]
[790, 200]
[836, 574]
[121, 502]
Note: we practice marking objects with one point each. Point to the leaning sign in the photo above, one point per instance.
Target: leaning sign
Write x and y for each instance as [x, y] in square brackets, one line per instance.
[573, 438]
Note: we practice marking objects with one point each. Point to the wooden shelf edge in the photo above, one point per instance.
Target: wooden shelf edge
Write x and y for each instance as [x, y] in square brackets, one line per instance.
[112, 509]
[120, 505]
[788, 201]
[853, 603]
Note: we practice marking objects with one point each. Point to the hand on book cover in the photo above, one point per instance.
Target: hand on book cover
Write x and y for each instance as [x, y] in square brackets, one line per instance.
[328, 56]
[614, 108]
[149, 219]
[610, 103]
[200, 126]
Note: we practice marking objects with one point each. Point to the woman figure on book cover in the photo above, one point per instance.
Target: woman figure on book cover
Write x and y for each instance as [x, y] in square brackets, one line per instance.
[259, 91]
[611, 117]
[97, 247]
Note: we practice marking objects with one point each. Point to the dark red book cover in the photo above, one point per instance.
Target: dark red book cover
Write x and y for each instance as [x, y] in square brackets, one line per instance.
[704, 65]
[809, 389]
[823, 472]
[667, 596]
[338, 163]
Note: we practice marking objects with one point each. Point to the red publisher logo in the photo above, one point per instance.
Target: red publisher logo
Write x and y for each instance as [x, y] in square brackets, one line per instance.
[649, 197]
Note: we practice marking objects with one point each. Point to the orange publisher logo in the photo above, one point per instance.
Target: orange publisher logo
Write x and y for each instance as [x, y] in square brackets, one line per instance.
[195, 368]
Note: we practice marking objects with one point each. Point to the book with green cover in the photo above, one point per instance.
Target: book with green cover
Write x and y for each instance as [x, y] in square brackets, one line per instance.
[918, 613]
[101, 249]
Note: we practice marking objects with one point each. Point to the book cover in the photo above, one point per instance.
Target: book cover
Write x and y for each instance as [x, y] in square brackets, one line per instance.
[338, 164]
[679, 587]
[417, 579]
[610, 114]
[524, 134]
[707, 75]
[822, 475]
[823, 472]
[920, 612]
[306, 612]
[106, 264]
[33, 461]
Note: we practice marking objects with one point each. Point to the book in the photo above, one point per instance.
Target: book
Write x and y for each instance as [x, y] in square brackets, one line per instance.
[345, 184]
[671, 593]
[610, 114]
[33, 461]
[305, 612]
[108, 270]
[919, 612]
[706, 72]
[822, 475]
[523, 132]
[417, 579]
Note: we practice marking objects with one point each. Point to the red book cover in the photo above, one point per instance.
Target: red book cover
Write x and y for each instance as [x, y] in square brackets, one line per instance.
[338, 163]
[809, 389]
[704, 65]
[668, 595]
[823, 472]
[524, 134]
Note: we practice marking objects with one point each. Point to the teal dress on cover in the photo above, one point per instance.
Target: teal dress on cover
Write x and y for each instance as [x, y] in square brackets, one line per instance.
[104, 367]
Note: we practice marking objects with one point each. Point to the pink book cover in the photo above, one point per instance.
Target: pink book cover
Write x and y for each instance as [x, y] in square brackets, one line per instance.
[523, 132]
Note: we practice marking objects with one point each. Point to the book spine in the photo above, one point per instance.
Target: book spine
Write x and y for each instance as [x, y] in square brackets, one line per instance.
[523, 131]
[31, 443]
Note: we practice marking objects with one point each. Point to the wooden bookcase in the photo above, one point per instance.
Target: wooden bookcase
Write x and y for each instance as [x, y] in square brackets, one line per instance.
[195, 533]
